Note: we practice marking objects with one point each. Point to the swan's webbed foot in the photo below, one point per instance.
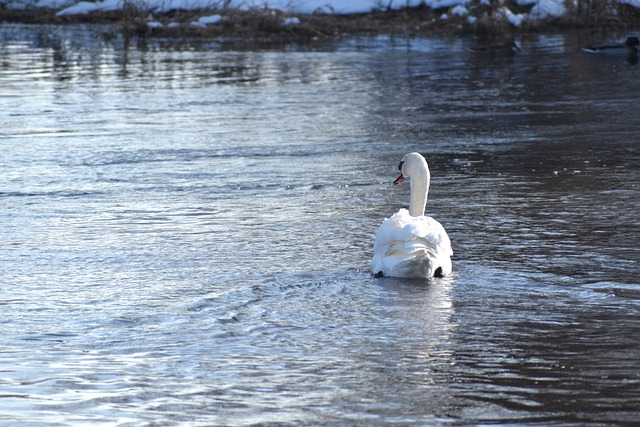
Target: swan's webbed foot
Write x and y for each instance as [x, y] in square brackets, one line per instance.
[438, 272]
[378, 275]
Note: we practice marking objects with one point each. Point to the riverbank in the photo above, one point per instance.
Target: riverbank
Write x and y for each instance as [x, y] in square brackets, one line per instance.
[481, 19]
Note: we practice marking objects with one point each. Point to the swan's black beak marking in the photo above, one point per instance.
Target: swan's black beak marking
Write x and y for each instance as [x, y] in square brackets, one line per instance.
[400, 177]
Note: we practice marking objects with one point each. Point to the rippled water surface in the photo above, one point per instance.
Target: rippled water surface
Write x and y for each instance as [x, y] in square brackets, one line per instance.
[187, 228]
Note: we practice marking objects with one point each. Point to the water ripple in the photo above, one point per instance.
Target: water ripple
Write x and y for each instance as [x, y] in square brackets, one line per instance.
[187, 232]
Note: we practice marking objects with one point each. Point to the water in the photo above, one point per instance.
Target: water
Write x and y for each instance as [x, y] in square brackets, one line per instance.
[187, 227]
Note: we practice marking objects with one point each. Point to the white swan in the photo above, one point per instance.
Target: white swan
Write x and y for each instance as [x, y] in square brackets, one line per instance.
[409, 244]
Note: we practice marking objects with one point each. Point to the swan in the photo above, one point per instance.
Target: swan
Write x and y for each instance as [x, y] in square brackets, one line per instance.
[409, 244]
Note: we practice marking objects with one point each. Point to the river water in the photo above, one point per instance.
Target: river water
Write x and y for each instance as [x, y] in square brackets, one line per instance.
[187, 228]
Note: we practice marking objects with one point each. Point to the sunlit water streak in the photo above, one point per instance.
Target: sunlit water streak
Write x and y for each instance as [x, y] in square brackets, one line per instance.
[186, 231]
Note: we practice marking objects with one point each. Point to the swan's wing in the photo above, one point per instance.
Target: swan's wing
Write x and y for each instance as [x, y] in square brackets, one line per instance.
[435, 236]
[437, 244]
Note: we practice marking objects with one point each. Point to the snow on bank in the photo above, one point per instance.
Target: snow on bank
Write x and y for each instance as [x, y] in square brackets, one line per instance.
[207, 20]
[541, 10]
[514, 19]
[544, 9]
[75, 7]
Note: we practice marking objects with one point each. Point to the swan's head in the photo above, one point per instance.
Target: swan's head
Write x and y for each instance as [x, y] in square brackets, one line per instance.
[411, 164]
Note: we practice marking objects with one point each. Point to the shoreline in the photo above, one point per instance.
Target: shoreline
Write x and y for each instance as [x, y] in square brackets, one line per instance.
[276, 25]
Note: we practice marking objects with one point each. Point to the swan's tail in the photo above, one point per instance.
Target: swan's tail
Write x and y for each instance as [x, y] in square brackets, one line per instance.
[416, 257]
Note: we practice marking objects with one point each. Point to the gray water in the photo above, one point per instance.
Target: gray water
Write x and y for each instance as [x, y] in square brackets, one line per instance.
[187, 228]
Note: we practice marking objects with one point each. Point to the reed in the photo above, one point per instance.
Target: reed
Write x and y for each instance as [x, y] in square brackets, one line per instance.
[598, 14]
[589, 13]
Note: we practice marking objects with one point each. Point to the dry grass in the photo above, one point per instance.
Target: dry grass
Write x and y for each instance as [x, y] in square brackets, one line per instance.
[266, 23]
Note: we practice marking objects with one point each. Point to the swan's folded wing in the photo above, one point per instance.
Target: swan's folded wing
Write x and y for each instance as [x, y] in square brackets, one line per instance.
[434, 235]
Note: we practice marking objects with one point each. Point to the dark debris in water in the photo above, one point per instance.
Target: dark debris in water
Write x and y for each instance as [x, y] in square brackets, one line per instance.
[626, 293]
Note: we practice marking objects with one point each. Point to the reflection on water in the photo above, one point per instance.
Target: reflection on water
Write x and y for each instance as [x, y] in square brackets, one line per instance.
[187, 225]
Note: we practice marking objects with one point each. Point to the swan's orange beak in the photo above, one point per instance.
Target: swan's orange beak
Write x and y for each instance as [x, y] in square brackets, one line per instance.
[399, 179]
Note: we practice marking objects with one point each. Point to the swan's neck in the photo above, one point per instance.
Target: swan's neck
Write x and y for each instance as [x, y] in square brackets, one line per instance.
[419, 192]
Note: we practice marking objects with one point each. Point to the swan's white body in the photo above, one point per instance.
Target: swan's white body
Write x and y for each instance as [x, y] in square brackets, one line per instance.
[409, 244]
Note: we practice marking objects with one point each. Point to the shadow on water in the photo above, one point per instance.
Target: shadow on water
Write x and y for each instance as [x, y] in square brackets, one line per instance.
[187, 231]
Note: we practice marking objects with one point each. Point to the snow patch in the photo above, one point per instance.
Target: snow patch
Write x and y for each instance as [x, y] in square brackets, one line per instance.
[290, 21]
[81, 8]
[632, 3]
[207, 20]
[442, 4]
[55, 4]
[546, 9]
[514, 19]
[460, 10]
